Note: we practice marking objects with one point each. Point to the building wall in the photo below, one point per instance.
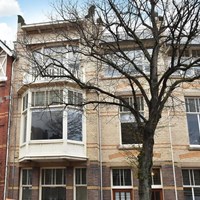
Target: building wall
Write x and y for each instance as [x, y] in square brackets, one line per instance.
[104, 151]
[4, 118]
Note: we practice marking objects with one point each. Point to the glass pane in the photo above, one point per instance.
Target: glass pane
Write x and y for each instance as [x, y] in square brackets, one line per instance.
[39, 98]
[74, 125]
[130, 134]
[53, 193]
[197, 193]
[55, 97]
[188, 194]
[26, 193]
[81, 176]
[26, 177]
[116, 177]
[156, 177]
[196, 177]
[60, 176]
[24, 127]
[193, 128]
[127, 177]
[46, 125]
[47, 176]
[81, 193]
[186, 177]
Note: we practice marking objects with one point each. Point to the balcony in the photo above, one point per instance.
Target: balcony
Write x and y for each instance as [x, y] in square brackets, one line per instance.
[52, 73]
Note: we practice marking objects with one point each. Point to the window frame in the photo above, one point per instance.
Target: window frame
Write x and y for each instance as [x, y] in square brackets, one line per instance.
[27, 111]
[192, 184]
[193, 110]
[131, 119]
[52, 185]
[123, 188]
[25, 185]
[80, 185]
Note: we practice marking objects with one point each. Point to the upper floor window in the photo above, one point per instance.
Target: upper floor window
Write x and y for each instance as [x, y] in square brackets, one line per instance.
[129, 134]
[3, 63]
[191, 183]
[45, 116]
[126, 65]
[193, 119]
[55, 62]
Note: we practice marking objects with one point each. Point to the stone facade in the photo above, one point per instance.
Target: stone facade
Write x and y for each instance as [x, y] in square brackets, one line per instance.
[101, 151]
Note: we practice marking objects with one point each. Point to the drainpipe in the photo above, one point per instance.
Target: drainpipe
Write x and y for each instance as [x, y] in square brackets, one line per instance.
[100, 150]
[172, 155]
[8, 132]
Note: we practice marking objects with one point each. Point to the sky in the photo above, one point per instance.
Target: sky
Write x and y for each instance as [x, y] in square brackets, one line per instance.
[32, 11]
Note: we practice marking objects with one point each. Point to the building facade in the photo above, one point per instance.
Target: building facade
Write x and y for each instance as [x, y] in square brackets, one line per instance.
[69, 152]
[6, 60]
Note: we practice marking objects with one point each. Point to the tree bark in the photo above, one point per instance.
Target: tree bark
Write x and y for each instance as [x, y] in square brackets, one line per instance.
[145, 161]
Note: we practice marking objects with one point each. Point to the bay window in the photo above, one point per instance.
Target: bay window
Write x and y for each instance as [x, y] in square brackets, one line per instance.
[46, 117]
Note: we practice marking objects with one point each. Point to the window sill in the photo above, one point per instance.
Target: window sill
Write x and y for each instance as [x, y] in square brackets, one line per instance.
[75, 142]
[129, 146]
[194, 147]
[50, 141]
[3, 78]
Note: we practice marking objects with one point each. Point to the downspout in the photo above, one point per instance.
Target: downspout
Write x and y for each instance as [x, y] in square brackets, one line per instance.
[172, 155]
[100, 151]
[100, 140]
[8, 132]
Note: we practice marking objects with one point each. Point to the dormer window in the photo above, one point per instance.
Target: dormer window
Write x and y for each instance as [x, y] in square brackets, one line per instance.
[3, 63]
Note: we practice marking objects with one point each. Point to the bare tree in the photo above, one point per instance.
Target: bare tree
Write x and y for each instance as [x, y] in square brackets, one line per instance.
[161, 31]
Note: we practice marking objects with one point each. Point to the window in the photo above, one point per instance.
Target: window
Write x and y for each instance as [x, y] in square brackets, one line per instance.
[81, 184]
[129, 134]
[53, 184]
[26, 184]
[125, 64]
[122, 183]
[49, 118]
[156, 184]
[193, 119]
[191, 183]
[52, 58]
[3, 62]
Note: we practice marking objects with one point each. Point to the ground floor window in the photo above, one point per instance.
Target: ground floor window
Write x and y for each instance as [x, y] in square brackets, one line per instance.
[156, 194]
[26, 184]
[80, 184]
[191, 184]
[122, 184]
[53, 184]
[122, 194]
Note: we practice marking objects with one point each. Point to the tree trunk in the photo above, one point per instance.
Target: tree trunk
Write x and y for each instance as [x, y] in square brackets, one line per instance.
[145, 160]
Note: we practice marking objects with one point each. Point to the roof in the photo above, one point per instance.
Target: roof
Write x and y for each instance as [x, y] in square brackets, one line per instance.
[6, 48]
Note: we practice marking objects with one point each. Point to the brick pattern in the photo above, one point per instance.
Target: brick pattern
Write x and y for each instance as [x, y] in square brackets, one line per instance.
[4, 117]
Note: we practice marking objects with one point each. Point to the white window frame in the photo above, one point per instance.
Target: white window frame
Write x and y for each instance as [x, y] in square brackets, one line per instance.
[81, 184]
[192, 186]
[21, 180]
[141, 62]
[52, 185]
[58, 107]
[68, 59]
[121, 187]
[130, 117]
[157, 186]
[196, 112]
[3, 65]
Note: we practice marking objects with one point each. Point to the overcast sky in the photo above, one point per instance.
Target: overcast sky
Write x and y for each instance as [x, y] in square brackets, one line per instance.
[32, 11]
